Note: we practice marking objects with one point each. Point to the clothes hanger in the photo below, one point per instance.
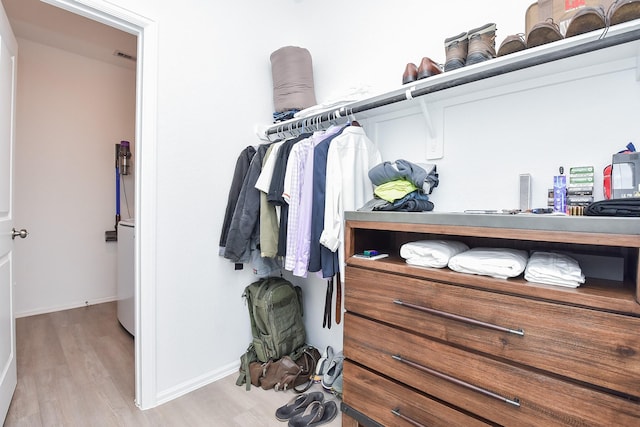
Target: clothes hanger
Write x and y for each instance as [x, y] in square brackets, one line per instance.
[352, 118]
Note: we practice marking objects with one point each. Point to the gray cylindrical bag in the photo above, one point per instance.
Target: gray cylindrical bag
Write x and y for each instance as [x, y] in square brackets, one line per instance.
[292, 72]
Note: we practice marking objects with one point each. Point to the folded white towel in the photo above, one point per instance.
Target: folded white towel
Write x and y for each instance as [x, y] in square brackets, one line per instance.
[553, 268]
[495, 262]
[431, 253]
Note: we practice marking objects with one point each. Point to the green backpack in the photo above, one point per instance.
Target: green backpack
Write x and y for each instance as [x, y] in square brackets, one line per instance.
[275, 311]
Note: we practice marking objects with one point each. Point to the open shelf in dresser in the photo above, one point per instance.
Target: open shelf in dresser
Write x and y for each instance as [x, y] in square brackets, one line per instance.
[618, 237]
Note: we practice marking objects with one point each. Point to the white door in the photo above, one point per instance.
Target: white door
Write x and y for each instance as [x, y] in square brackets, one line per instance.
[8, 62]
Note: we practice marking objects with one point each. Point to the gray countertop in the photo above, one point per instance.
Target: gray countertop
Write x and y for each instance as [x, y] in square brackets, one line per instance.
[585, 224]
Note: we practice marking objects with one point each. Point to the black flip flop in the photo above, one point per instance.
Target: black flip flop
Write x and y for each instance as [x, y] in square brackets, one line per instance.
[317, 413]
[298, 404]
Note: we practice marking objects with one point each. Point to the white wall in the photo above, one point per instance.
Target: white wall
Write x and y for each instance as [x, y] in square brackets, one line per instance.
[71, 111]
[214, 85]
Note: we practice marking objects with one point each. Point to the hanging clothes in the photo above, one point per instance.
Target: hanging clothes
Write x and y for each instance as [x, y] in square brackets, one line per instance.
[298, 189]
[348, 187]
[268, 216]
[244, 224]
[276, 189]
[320, 257]
[311, 179]
[239, 175]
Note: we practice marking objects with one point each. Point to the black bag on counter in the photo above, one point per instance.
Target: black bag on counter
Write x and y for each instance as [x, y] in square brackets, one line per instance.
[628, 207]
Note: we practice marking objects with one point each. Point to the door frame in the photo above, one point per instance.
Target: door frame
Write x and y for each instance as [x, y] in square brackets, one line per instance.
[8, 366]
[146, 31]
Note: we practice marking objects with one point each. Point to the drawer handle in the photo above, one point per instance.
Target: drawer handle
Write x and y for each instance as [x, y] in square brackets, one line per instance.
[411, 421]
[514, 401]
[459, 318]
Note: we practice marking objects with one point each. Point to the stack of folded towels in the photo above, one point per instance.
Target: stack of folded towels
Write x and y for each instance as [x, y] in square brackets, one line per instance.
[501, 263]
[431, 253]
[548, 268]
[553, 268]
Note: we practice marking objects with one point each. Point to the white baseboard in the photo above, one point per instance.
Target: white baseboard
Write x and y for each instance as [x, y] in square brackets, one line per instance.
[198, 382]
[69, 306]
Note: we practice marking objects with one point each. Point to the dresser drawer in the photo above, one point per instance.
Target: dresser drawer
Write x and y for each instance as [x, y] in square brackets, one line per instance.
[588, 345]
[392, 404]
[494, 390]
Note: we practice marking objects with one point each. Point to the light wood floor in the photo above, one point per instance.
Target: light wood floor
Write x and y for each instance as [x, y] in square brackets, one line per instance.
[76, 368]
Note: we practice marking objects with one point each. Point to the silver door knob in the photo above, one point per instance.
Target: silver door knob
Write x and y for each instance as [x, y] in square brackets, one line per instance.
[22, 233]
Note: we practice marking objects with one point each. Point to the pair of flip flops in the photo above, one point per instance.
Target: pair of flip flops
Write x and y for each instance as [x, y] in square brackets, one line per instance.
[307, 410]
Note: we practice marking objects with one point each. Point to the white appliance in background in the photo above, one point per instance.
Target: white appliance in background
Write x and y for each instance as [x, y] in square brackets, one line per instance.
[126, 275]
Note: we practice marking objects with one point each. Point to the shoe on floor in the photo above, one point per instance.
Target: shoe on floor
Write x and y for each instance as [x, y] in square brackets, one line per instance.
[337, 388]
[317, 413]
[325, 360]
[585, 20]
[298, 404]
[335, 369]
[623, 11]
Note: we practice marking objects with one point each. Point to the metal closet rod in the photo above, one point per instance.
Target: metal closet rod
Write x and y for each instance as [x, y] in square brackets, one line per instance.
[345, 111]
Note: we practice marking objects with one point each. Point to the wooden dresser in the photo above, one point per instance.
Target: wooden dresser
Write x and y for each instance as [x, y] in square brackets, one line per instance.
[433, 347]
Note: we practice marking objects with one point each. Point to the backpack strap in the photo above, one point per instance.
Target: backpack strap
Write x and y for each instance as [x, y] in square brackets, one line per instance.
[300, 301]
[247, 294]
[245, 360]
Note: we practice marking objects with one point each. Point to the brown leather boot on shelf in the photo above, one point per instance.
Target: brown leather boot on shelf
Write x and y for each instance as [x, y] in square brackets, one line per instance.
[586, 20]
[456, 51]
[428, 68]
[623, 11]
[511, 44]
[543, 33]
[482, 44]
[410, 73]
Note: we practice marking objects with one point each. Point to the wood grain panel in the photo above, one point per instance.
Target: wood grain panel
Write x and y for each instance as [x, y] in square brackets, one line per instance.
[598, 294]
[377, 397]
[544, 400]
[587, 345]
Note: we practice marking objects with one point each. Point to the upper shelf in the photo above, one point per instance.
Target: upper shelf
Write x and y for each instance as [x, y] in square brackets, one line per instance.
[574, 53]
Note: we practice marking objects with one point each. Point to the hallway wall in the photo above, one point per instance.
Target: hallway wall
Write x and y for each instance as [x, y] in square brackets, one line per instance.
[71, 110]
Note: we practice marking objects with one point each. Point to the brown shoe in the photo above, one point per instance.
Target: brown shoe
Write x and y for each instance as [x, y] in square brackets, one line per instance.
[543, 33]
[585, 20]
[428, 68]
[512, 44]
[410, 73]
[623, 11]
[482, 44]
[456, 51]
